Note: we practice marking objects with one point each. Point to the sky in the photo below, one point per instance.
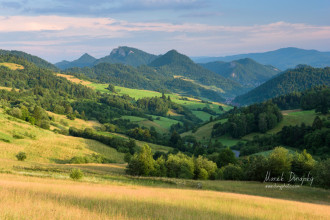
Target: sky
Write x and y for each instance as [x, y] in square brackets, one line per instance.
[65, 29]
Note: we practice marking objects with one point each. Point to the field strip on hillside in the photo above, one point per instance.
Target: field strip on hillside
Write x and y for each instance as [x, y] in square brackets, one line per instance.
[74, 79]
[12, 66]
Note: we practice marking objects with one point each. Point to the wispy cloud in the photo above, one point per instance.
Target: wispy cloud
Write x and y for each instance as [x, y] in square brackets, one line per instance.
[96, 8]
[75, 35]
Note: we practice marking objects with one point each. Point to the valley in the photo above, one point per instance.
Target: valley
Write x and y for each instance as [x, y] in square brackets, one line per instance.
[164, 110]
[134, 147]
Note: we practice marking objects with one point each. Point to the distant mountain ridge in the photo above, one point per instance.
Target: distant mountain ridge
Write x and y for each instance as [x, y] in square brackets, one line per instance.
[244, 71]
[83, 61]
[293, 80]
[283, 58]
[123, 55]
[172, 71]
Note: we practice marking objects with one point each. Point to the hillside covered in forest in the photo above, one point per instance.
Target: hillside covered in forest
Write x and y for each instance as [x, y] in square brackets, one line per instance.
[293, 80]
[245, 71]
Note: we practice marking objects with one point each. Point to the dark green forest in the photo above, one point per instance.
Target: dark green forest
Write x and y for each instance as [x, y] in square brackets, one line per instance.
[245, 120]
[317, 98]
[294, 80]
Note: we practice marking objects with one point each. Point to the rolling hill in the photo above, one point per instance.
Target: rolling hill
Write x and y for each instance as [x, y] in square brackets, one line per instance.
[177, 65]
[282, 59]
[31, 58]
[294, 80]
[244, 71]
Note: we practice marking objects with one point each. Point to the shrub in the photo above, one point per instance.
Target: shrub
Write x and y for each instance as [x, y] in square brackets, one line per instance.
[94, 158]
[71, 116]
[63, 122]
[76, 174]
[204, 169]
[226, 156]
[21, 156]
[16, 112]
[232, 172]
[219, 174]
[321, 174]
[302, 163]
[180, 166]
[127, 157]
[255, 168]
[279, 161]
[202, 174]
[141, 164]
[45, 124]
[160, 167]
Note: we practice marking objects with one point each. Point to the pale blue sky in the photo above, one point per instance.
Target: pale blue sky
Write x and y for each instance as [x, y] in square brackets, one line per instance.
[65, 29]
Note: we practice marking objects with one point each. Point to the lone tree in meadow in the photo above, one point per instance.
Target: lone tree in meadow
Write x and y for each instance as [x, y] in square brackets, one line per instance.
[76, 174]
[21, 156]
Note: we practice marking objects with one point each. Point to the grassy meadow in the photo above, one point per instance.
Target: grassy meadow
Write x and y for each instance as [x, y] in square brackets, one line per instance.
[44, 198]
[161, 124]
[203, 134]
[45, 146]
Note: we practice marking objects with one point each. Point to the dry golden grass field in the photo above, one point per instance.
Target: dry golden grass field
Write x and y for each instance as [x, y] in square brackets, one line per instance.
[42, 198]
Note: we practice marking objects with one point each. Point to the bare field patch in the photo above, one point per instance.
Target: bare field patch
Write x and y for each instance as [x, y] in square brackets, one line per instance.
[74, 79]
[12, 66]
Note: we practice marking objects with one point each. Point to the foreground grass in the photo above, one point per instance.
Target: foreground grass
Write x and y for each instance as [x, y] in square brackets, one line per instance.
[41, 198]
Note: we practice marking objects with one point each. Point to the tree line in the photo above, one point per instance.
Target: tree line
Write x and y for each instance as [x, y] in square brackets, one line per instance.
[252, 168]
[254, 118]
[315, 138]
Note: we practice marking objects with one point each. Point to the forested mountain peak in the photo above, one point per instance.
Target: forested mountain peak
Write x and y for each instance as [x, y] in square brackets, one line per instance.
[171, 57]
[87, 58]
[245, 61]
[83, 61]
